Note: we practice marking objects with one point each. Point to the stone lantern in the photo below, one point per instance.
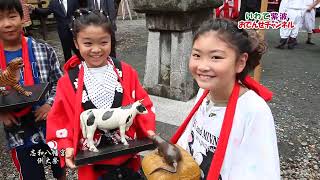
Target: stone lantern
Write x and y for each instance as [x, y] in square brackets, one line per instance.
[171, 25]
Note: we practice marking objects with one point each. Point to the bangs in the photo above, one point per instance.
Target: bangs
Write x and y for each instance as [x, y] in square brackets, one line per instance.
[11, 6]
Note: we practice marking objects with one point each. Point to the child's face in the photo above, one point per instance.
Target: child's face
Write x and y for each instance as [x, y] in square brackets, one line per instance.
[94, 44]
[10, 25]
[213, 63]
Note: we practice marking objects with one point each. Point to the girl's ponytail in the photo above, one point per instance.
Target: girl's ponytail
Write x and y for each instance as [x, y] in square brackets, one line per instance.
[258, 48]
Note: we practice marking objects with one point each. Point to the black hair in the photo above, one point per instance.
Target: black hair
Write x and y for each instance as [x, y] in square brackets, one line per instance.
[11, 5]
[241, 40]
[84, 17]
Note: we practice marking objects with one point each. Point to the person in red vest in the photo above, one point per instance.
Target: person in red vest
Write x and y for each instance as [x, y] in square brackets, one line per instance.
[92, 80]
[229, 9]
[230, 131]
[25, 128]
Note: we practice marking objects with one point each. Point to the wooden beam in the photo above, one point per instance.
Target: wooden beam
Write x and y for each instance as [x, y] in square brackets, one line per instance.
[257, 70]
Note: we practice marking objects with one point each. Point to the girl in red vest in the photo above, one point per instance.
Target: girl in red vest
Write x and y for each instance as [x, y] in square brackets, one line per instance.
[230, 132]
[95, 80]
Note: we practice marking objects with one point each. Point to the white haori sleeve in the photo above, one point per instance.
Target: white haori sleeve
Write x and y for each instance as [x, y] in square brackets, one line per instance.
[257, 156]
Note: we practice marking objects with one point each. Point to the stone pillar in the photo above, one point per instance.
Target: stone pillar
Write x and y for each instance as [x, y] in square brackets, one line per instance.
[171, 26]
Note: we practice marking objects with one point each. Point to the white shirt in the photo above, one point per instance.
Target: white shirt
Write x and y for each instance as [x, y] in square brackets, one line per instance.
[65, 3]
[98, 3]
[99, 72]
[252, 151]
[295, 4]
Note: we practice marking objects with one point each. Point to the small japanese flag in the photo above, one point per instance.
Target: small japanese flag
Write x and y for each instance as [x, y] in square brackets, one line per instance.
[62, 133]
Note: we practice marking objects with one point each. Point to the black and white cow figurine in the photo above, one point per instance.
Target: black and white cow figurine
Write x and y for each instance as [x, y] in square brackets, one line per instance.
[108, 119]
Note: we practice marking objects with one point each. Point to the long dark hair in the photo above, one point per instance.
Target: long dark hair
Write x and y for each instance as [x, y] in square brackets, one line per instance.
[242, 41]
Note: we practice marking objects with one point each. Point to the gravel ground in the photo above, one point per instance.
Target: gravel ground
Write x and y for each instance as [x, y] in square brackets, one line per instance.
[293, 76]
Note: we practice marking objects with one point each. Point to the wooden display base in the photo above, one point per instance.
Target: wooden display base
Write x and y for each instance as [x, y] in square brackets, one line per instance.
[14, 100]
[110, 151]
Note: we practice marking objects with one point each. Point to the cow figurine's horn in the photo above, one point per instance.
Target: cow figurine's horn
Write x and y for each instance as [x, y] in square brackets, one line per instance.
[140, 101]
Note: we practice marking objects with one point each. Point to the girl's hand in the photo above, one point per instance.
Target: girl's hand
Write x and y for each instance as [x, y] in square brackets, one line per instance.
[8, 119]
[42, 112]
[151, 134]
[69, 158]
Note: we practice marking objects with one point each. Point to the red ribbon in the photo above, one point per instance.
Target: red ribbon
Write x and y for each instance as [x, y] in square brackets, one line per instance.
[217, 160]
[262, 91]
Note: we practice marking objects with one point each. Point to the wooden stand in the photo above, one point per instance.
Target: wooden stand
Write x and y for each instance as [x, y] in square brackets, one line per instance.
[14, 100]
[107, 152]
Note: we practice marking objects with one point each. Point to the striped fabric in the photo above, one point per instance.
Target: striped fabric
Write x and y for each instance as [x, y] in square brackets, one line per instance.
[49, 66]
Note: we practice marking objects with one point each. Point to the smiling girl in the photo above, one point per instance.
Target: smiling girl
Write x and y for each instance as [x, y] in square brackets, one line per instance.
[95, 80]
[230, 132]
